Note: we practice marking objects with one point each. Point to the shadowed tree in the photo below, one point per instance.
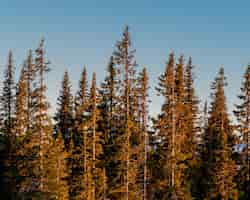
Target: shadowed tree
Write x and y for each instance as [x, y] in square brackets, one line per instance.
[64, 114]
[242, 114]
[108, 125]
[80, 152]
[7, 129]
[191, 120]
[78, 162]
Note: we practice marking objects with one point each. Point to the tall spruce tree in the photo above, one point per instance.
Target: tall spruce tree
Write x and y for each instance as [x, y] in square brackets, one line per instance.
[128, 166]
[77, 180]
[219, 146]
[191, 113]
[98, 170]
[242, 114]
[81, 101]
[8, 97]
[20, 127]
[181, 189]
[30, 75]
[173, 128]
[7, 129]
[21, 105]
[78, 158]
[42, 125]
[108, 126]
[143, 102]
[165, 128]
[191, 120]
[57, 172]
[64, 114]
[26, 147]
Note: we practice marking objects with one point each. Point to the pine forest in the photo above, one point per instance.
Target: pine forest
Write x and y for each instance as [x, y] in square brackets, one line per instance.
[102, 143]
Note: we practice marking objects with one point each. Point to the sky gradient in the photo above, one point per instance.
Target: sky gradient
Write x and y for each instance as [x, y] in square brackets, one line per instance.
[80, 32]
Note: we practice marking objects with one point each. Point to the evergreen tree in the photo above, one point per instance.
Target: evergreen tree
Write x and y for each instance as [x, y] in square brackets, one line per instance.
[181, 189]
[58, 172]
[191, 117]
[219, 146]
[143, 102]
[8, 97]
[82, 95]
[7, 129]
[128, 165]
[173, 127]
[242, 114]
[98, 170]
[20, 125]
[27, 161]
[102, 148]
[21, 105]
[108, 126]
[192, 113]
[78, 152]
[199, 185]
[41, 127]
[165, 128]
[64, 115]
[30, 75]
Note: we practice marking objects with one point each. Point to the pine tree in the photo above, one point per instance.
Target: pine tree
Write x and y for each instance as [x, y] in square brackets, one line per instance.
[30, 75]
[154, 163]
[82, 95]
[192, 112]
[7, 129]
[8, 97]
[42, 126]
[198, 181]
[93, 118]
[143, 102]
[108, 126]
[172, 126]
[57, 169]
[102, 148]
[219, 146]
[21, 105]
[124, 58]
[81, 103]
[165, 128]
[78, 152]
[98, 176]
[27, 141]
[64, 114]
[191, 117]
[20, 125]
[181, 137]
[242, 114]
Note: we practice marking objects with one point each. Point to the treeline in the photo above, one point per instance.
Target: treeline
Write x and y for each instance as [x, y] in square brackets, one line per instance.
[102, 144]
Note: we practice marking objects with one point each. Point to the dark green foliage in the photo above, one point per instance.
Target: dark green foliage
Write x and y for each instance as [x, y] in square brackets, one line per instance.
[64, 114]
[242, 114]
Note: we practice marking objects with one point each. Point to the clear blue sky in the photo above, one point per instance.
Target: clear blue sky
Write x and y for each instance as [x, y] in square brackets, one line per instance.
[80, 32]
